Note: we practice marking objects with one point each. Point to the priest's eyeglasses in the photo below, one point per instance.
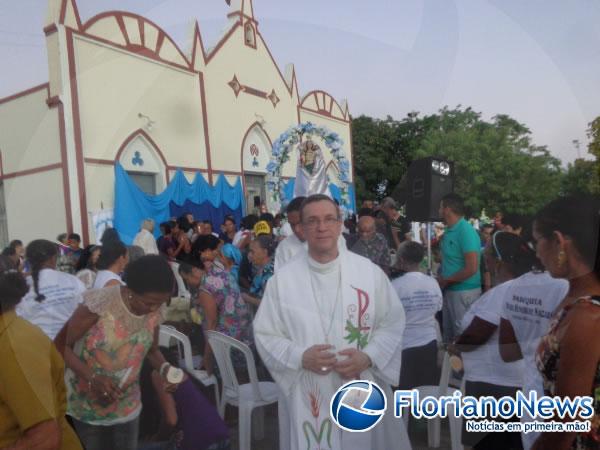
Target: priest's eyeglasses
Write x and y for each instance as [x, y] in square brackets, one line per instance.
[314, 222]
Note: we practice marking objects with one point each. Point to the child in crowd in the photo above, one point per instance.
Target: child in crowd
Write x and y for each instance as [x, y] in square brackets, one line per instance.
[421, 297]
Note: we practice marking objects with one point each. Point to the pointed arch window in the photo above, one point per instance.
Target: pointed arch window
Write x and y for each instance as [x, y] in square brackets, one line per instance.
[256, 151]
[250, 35]
[144, 163]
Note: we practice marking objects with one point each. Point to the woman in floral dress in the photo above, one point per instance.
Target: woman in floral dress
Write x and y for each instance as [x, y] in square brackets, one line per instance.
[217, 297]
[566, 234]
[104, 344]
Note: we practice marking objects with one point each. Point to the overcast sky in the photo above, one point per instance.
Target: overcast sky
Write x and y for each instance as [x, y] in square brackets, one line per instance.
[537, 61]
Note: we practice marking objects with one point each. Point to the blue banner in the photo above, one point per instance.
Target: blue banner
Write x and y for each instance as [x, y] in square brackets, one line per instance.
[132, 205]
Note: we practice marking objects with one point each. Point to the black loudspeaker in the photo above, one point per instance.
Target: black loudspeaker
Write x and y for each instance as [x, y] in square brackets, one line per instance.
[426, 182]
[257, 201]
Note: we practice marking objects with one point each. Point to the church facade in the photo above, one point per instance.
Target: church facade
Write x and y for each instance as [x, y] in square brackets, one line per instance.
[121, 90]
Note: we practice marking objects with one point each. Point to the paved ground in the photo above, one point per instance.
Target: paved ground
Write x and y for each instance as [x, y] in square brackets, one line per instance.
[417, 433]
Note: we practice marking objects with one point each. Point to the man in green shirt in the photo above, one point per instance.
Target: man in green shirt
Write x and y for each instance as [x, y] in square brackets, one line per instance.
[460, 278]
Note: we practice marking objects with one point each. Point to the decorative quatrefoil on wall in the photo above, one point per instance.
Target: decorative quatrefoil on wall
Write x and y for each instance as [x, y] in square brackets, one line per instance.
[137, 159]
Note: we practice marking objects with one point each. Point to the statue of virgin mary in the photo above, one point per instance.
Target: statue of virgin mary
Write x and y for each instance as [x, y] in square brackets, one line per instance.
[311, 173]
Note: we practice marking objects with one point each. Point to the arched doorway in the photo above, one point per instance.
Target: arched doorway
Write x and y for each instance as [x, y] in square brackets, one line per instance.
[144, 163]
[256, 152]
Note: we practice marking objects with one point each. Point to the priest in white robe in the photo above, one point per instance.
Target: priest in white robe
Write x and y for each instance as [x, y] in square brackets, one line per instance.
[327, 317]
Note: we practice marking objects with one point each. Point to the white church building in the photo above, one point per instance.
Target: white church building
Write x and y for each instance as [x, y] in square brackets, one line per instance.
[120, 90]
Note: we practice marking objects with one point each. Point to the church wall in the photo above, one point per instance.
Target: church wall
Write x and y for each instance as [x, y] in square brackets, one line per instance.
[100, 191]
[52, 49]
[35, 206]
[107, 28]
[231, 116]
[189, 176]
[231, 179]
[256, 151]
[112, 87]
[115, 86]
[29, 133]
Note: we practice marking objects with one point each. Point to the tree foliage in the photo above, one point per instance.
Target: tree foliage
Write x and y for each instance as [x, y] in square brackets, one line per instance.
[593, 133]
[497, 166]
[581, 177]
[380, 156]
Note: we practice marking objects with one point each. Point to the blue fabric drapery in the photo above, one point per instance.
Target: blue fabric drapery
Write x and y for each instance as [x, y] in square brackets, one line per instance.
[132, 205]
[288, 193]
[206, 211]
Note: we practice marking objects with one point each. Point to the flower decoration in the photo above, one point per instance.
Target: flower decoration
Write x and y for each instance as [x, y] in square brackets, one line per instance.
[283, 146]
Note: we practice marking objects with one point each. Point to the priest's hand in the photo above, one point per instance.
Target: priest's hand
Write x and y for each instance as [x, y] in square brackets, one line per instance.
[318, 359]
[355, 363]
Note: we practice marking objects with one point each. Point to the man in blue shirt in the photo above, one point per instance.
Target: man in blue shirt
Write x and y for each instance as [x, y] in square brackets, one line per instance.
[460, 277]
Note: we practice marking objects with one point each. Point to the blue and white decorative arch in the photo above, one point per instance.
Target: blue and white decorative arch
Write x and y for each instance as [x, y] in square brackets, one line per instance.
[281, 192]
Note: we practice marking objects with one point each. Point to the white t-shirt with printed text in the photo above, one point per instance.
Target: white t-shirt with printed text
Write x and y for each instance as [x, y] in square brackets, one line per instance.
[484, 364]
[529, 307]
[63, 295]
[421, 298]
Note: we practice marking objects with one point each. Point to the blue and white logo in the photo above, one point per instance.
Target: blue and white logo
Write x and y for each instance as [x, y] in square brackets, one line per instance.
[358, 406]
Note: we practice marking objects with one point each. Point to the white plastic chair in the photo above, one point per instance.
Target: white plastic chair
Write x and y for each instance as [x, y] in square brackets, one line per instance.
[166, 335]
[247, 396]
[182, 290]
[434, 425]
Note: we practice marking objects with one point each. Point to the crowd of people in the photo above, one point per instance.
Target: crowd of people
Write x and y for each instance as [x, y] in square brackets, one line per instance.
[319, 299]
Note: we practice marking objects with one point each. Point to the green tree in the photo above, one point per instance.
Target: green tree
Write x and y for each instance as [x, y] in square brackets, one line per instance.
[593, 133]
[496, 165]
[377, 156]
[383, 149]
[580, 177]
